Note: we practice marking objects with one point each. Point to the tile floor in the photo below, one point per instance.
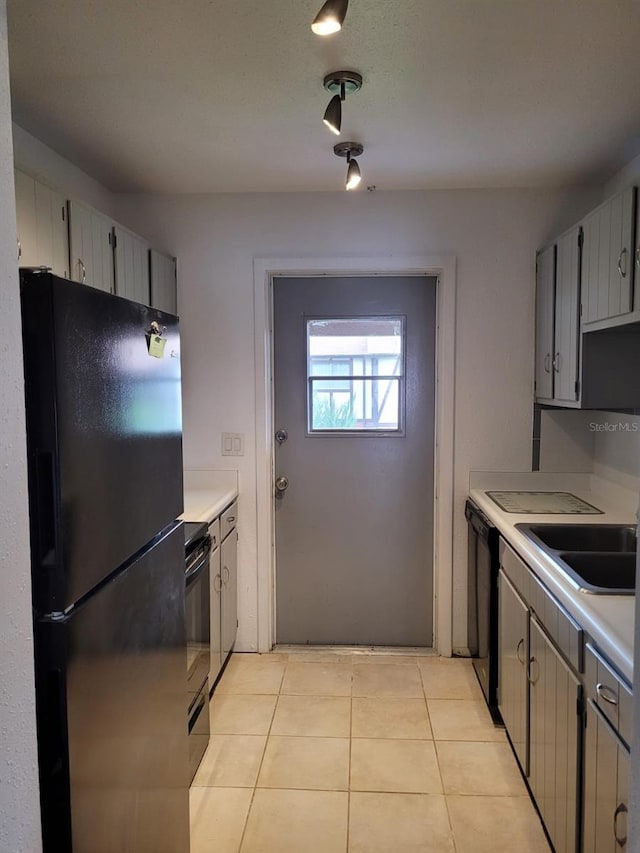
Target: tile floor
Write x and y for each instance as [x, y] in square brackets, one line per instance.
[320, 752]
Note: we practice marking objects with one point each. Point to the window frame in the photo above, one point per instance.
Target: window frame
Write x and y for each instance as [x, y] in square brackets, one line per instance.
[400, 379]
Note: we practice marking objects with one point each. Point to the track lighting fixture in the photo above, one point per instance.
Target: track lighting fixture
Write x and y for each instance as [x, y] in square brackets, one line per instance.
[339, 84]
[330, 18]
[350, 150]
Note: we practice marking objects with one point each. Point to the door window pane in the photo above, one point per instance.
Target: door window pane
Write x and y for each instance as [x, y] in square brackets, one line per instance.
[355, 374]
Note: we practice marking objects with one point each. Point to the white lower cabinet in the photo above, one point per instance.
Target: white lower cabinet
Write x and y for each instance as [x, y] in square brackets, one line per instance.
[224, 588]
[555, 723]
[513, 652]
[606, 786]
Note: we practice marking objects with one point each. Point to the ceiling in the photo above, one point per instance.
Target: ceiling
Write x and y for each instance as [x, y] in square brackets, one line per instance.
[226, 95]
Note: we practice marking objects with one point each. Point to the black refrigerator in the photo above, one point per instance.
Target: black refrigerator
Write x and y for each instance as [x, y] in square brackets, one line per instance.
[104, 441]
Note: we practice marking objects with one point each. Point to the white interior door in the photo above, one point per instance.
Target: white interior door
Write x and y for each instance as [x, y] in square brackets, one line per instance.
[354, 382]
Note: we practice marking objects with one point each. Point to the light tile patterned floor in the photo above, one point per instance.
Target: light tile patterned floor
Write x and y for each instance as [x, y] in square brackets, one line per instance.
[321, 752]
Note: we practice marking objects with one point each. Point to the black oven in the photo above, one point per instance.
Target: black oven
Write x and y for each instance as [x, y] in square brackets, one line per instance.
[198, 622]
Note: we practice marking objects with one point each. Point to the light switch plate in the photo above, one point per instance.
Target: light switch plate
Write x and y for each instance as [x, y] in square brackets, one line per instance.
[233, 444]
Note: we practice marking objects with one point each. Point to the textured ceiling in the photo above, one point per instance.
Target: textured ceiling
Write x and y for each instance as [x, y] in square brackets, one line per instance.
[226, 95]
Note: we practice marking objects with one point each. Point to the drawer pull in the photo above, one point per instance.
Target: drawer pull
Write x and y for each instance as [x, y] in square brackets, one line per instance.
[231, 519]
[622, 809]
[518, 647]
[606, 693]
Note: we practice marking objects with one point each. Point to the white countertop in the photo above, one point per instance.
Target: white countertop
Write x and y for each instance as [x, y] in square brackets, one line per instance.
[207, 493]
[608, 619]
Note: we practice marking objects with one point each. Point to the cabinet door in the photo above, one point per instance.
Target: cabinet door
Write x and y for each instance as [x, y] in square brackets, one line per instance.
[545, 311]
[513, 646]
[554, 739]
[131, 265]
[90, 247]
[216, 612]
[52, 234]
[229, 574]
[567, 317]
[608, 259]
[606, 783]
[27, 248]
[162, 274]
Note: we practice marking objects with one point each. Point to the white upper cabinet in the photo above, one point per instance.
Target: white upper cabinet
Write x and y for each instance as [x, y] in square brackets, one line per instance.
[162, 271]
[90, 244]
[545, 321]
[132, 265]
[41, 214]
[567, 317]
[608, 260]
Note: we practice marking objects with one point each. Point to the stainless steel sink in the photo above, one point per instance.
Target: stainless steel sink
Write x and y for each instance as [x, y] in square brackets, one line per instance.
[598, 558]
[585, 537]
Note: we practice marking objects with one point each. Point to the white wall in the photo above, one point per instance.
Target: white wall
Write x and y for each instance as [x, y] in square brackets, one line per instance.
[42, 162]
[19, 798]
[494, 235]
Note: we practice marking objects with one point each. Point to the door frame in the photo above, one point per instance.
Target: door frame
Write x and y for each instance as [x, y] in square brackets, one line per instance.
[443, 267]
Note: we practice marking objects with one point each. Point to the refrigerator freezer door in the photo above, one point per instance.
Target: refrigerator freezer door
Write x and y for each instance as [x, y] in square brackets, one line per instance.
[104, 429]
[112, 720]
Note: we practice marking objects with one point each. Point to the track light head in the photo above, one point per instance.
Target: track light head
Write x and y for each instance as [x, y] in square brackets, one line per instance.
[330, 18]
[350, 150]
[333, 115]
[353, 175]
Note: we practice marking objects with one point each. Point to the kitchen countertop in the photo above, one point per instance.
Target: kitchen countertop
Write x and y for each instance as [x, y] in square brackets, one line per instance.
[206, 504]
[608, 619]
[207, 493]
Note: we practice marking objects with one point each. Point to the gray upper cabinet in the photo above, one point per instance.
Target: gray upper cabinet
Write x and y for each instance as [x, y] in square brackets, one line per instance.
[567, 318]
[90, 246]
[609, 261]
[131, 265]
[545, 322]
[162, 273]
[41, 215]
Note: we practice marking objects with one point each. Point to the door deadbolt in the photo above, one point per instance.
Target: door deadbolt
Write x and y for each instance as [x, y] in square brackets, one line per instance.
[281, 436]
[282, 484]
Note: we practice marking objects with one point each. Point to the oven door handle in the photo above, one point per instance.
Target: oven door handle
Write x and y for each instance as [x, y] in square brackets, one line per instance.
[193, 572]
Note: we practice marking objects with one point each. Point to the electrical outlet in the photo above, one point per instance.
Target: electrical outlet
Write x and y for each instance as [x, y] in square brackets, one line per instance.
[233, 444]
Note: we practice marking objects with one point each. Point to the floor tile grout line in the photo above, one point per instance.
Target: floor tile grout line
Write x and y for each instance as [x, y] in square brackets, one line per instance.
[349, 766]
[255, 786]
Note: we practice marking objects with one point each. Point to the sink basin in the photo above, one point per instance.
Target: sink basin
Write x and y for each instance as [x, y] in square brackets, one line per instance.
[598, 558]
[585, 537]
[609, 574]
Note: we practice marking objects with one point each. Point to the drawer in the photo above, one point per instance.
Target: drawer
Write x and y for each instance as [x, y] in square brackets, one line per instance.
[515, 569]
[228, 520]
[609, 692]
[214, 532]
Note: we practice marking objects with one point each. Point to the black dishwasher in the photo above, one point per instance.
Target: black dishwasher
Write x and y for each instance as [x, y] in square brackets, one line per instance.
[482, 614]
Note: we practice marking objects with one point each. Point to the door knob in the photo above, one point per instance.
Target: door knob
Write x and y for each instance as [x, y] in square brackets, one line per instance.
[281, 436]
[282, 484]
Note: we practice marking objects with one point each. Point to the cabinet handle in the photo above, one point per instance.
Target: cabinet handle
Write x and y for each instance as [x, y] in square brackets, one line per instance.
[530, 679]
[231, 519]
[20, 250]
[217, 583]
[556, 362]
[547, 363]
[518, 647]
[622, 809]
[83, 270]
[623, 254]
[638, 256]
[225, 569]
[606, 693]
